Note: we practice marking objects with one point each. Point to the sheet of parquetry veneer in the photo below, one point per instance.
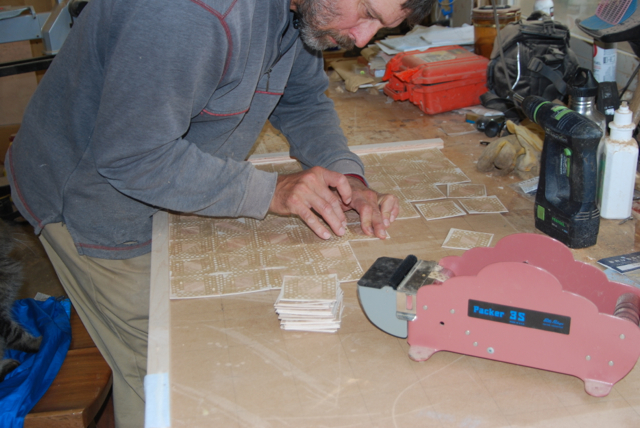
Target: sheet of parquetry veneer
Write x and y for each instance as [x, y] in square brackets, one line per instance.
[210, 257]
[440, 209]
[419, 193]
[412, 175]
[483, 205]
[466, 239]
[220, 256]
[466, 190]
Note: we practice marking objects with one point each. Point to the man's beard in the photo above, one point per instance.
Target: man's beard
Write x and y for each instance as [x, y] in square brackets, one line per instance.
[315, 15]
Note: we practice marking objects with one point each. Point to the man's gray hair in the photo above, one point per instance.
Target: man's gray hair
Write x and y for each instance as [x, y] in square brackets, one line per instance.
[418, 10]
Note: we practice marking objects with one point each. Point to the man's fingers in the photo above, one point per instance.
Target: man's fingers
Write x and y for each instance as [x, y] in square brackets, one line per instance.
[315, 224]
[330, 207]
[377, 211]
[319, 192]
[366, 217]
[389, 208]
[340, 183]
[304, 208]
[377, 223]
[382, 218]
[324, 201]
[371, 221]
[326, 204]
[308, 191]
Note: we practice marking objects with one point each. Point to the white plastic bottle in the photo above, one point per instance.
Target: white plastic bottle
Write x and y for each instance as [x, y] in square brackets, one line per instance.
[545, 6]
[617, 174]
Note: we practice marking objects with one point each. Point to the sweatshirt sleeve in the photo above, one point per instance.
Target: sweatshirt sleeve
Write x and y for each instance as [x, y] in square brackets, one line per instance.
[307, 117]
[160, 67]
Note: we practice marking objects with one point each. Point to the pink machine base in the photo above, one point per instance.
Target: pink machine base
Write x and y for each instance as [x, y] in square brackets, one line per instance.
[528, 276]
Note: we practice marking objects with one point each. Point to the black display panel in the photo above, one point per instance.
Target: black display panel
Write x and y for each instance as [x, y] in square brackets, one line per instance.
[520, 317]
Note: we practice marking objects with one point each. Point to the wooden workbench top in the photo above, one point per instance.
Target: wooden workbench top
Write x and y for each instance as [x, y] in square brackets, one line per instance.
[231, 365]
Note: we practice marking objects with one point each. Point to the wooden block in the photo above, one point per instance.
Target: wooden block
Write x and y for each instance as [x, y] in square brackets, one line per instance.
[76, 394]
[81, 392]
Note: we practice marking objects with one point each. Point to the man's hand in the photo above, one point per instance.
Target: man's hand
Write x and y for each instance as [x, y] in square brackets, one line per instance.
[301, 192]
[377, 211]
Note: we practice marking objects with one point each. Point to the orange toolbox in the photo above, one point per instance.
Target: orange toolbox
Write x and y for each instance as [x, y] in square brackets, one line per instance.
[437, 80]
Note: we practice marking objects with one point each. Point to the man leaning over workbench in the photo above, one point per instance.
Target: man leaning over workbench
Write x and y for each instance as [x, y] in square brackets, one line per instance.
[155, 104]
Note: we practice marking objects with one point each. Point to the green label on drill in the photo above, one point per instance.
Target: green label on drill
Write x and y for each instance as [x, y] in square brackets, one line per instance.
[540, 212]
[560, 112]
[567, 161]
[564, 165]
[560, 222]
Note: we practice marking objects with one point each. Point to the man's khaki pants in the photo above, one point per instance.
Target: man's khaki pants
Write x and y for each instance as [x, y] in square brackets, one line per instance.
[112, 300]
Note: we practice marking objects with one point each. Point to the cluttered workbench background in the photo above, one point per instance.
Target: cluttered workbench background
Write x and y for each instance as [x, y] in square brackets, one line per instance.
[369, 117]
[225, 361]
[230, 364]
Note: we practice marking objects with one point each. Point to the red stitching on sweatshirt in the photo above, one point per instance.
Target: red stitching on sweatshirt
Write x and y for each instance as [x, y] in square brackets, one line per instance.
[269, 93]
[230, 7]
[223, 114]
[17, 189]
[224, 25]
[103, 247]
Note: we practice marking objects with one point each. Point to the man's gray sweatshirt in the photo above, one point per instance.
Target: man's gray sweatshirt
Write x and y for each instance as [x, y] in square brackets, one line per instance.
[155, 104]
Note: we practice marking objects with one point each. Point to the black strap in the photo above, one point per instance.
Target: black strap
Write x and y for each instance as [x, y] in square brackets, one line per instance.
[554, 76]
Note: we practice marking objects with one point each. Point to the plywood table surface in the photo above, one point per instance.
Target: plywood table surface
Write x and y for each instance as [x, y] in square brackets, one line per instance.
[230, 365]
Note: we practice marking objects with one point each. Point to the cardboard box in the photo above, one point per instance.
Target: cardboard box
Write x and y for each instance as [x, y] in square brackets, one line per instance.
[438, 80]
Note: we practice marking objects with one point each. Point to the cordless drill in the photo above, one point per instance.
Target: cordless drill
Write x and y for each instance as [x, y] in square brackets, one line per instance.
[565, 206]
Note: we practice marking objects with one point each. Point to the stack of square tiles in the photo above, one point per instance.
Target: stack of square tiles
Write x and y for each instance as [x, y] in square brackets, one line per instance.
[310, 303]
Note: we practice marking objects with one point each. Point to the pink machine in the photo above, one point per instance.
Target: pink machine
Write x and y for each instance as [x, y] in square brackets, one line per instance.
[526, 301]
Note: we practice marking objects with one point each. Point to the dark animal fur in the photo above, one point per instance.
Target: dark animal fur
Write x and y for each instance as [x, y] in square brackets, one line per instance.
[12, 334]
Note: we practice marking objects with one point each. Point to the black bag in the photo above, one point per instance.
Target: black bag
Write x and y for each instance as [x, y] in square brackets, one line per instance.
[538, 59]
